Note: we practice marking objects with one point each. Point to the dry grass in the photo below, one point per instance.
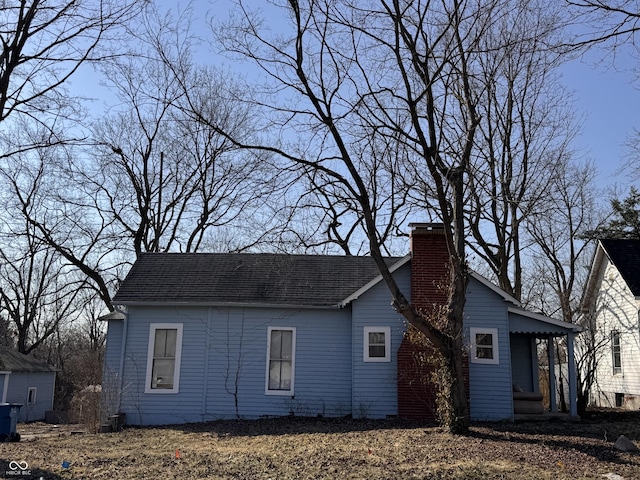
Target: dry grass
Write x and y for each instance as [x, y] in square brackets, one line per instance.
[295, 448]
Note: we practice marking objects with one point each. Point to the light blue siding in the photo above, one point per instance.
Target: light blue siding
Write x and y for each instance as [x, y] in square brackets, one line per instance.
[113, 351]
[223, 364]
[522, 363]
[375, 390]
[490, 389]
[19, 384]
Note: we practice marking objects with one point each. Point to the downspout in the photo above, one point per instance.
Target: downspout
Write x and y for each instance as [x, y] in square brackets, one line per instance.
[53, 389]
[5, 387]
[205, 380]
[125, 325]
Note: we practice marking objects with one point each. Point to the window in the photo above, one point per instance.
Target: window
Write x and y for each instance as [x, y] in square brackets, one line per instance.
[484, 345]
[163, 358]
[619, 400]
[281, 360]
[31, 395]
[377, 344]
[616, 352]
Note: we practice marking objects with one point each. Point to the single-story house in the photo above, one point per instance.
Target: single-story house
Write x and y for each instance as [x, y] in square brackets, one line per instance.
[611, 306]
[199, 337]
[27, 381]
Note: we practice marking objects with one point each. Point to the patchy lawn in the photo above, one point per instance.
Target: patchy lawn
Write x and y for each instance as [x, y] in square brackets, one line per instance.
[294, 448]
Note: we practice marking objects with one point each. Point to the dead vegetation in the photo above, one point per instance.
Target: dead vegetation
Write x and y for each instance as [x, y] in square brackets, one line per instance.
[298, 448]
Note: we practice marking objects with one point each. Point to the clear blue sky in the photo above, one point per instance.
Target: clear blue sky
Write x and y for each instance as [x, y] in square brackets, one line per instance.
[609, 99]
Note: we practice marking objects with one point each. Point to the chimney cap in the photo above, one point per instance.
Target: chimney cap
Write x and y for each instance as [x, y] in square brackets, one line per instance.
[419, 226]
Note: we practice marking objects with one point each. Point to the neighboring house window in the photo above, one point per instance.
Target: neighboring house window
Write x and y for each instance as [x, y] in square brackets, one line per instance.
[281, 360]
[616, 352]
[163, 358]
[31, 395]
[377, 344]
[484, 345]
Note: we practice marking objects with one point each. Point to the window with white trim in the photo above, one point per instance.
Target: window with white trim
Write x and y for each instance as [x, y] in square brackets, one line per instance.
[616, 352]
[281, 360]
[163, 358]
[484, 345]
[31, 395]
[377, 344]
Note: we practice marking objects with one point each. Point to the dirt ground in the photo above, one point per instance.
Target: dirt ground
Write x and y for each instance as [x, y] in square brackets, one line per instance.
[295, 448]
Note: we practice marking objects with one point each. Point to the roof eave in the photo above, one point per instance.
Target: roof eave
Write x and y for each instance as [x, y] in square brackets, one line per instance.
[487, 283]
[149, 303]
[368, 286]
[543, 318]
[594, 272]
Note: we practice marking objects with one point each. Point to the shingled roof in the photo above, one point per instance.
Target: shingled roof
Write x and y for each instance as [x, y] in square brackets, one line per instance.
[14, 361]
[625, 255]
[246, 279]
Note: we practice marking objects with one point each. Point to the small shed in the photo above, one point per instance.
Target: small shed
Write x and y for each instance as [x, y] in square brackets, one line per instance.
[28, 381]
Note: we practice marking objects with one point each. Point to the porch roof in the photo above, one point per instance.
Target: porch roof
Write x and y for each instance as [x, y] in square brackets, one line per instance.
[522, 321]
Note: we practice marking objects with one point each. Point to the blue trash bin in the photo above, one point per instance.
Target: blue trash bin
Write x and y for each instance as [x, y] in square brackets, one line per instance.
[8, 421]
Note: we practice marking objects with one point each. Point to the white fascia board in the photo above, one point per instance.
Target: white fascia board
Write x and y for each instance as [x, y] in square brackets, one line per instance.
[487, 283]
[594, 273]
[403, 261]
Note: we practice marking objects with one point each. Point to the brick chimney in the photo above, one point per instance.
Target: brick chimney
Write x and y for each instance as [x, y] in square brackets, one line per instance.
[429, 277]
[429, 265]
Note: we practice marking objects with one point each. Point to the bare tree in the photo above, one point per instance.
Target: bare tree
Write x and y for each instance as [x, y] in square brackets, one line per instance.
[397, 71]
[43, 46]
[39, 290]
[164, 179]
[561, 260]
[611, 22]
[525, 128]
[161, 182]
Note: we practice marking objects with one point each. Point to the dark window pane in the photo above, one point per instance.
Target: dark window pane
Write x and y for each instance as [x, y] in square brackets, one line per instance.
[376, 351]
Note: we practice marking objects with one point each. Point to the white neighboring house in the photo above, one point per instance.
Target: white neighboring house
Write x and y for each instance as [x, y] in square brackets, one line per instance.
[612, 301]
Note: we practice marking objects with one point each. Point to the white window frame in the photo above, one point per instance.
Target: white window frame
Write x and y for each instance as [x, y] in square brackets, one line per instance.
[615, 334]
[31, 395]
[387, 344]
[494, 344]
[176, 367]
[291, 390]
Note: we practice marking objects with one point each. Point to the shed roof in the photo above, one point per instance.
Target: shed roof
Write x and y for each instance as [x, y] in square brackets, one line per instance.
[246, 279]
[14, 361]
[524, 321]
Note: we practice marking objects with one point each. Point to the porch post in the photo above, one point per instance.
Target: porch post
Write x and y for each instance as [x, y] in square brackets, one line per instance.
[573, 393]
[553, 402]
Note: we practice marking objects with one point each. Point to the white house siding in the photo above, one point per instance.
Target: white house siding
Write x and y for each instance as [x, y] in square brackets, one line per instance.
[617, 309]
[490, 389]
[19, 384]
[375, 390]
[224, 360]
